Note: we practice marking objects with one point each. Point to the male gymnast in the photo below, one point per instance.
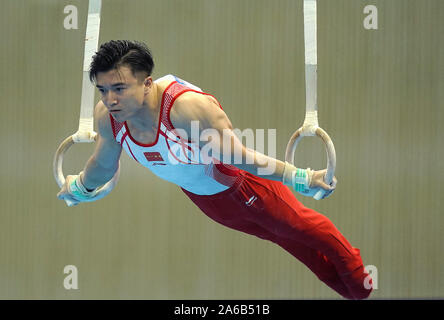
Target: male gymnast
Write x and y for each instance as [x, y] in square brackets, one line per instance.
[153, 120]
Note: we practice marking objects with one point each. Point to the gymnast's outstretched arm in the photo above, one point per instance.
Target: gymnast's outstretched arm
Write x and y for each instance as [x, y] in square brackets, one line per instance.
[103, 163]
[100, 167]
[223, 140]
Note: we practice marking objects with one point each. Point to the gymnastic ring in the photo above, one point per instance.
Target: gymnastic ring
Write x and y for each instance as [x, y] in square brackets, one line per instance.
[60, 177]
[306, 131]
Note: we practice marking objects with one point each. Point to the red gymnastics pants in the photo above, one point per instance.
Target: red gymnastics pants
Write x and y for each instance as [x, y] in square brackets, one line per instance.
[269, 210]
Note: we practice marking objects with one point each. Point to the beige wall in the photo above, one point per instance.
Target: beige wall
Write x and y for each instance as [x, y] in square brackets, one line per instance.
[381, 100]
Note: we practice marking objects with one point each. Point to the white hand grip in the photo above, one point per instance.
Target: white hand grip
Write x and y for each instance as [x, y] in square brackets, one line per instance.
[319, 194]
[305, 131]
[60, 178]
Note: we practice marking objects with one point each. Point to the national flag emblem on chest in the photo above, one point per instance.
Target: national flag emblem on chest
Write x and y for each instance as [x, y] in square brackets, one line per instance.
[153, 156]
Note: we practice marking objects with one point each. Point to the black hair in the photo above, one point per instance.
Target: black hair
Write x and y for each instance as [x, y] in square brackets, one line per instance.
[116, 53]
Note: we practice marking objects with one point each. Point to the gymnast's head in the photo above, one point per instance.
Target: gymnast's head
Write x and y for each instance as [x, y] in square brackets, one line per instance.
[121, 70]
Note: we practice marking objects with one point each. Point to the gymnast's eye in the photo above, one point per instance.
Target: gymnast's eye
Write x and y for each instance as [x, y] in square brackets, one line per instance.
[120, 89]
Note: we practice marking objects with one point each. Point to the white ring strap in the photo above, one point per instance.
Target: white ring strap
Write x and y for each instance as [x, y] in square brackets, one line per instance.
[86, 121]
[85, 133]
[310, 126]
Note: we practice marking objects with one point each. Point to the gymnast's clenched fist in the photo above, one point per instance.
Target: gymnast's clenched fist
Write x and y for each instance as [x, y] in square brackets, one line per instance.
[308, 182]
[74, 192]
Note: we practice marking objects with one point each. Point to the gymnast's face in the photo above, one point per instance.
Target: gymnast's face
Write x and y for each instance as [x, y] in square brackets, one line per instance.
[122, 93]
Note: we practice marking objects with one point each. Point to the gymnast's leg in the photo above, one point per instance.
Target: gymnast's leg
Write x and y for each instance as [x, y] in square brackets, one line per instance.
[296, 228]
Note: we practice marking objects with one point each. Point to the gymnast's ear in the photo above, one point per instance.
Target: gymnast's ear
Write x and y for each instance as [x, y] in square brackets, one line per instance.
[147, 83]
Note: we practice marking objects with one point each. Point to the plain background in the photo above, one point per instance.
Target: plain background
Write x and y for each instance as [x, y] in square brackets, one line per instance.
[380, 99]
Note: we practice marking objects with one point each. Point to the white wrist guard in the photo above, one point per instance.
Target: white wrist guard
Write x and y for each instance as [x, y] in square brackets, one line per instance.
[299, 179]
[78, 190]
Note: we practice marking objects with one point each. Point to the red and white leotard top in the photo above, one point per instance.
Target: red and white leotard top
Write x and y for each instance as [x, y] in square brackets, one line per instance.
[174, 158]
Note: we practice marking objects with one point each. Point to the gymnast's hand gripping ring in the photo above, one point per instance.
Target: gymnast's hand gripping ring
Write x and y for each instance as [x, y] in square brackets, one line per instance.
[306, 131]
[58, 168]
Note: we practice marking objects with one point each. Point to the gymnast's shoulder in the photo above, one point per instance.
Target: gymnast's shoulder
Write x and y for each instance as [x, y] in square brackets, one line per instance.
[193, 106]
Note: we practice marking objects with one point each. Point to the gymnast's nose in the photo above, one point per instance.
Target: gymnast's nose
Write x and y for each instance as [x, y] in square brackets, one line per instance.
[109, 99]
